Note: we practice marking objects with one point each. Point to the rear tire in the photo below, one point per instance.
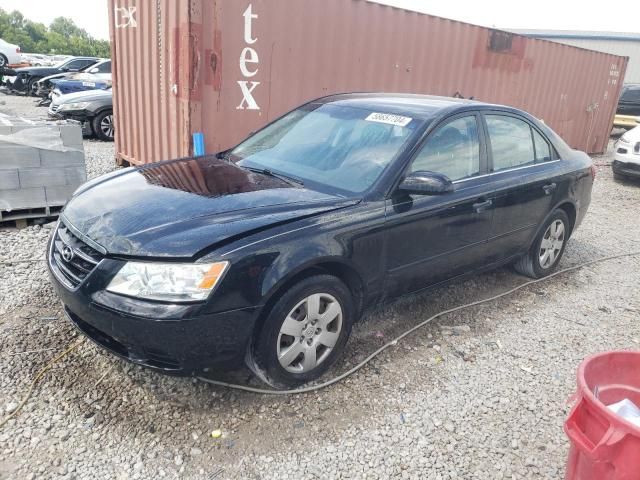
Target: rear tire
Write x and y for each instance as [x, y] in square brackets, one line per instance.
[103, 127]
[4, 61]
[305, 332]
[547, 249]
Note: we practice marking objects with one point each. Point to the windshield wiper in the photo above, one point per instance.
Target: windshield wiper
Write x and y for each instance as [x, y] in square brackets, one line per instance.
[279, 176]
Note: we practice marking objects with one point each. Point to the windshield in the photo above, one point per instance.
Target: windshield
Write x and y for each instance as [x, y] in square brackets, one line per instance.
[344, 148]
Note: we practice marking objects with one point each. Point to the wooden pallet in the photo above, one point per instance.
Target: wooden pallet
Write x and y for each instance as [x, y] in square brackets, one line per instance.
[23, 217]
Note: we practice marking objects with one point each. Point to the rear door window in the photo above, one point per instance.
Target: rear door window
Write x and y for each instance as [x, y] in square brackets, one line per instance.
[76, 64]
[79, 64]
[453, 150]
[511, 142]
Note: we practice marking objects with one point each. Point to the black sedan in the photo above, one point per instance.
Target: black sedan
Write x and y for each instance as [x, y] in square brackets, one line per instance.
[269, 252]
[93, 108]
[27, 78]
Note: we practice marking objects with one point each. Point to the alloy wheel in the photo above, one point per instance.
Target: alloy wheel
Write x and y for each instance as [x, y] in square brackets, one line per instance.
[309, 333]
[551, 244]
[106, 125]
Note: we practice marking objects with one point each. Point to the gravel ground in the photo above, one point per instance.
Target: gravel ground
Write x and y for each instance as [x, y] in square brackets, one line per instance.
[482, 393]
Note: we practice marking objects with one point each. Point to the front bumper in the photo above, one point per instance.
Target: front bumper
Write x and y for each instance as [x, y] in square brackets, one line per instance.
[82, 116]
[626, 169]
[172, 338]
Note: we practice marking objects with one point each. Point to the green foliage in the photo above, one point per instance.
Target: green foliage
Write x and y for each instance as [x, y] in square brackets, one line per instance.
[62, 37]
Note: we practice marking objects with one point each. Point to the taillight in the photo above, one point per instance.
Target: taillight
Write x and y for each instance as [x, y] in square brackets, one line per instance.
[593, 171]
[18, 50]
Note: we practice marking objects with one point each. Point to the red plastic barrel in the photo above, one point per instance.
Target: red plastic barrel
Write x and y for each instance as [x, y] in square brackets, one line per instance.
[604, 446]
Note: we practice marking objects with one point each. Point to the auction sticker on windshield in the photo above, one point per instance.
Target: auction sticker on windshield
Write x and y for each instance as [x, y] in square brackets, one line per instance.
[389, 119]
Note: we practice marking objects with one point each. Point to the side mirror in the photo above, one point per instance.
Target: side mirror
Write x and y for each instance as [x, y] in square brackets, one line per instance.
[65, 69]
[426, 183]
[94, 70]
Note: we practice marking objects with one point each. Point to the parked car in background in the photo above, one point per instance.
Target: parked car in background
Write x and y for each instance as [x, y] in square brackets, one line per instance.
[36, 60]
[269, 252]
[628, 112]
[626, 162]
[26, 78]
[96, 77]
[61, 58]
[9, 54]
[94, 108]
[44, 86]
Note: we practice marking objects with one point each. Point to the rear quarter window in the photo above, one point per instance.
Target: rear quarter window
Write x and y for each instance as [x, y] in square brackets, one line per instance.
[542, 148]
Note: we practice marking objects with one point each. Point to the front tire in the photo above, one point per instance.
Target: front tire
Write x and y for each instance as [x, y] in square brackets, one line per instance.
[103, 126]
[547, 249]
[4, 61]
[305, 332]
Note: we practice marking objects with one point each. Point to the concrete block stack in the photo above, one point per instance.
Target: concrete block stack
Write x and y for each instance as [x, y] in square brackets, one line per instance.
[41, 164]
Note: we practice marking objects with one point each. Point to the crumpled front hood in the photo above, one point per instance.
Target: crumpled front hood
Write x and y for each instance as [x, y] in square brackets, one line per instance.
[179, 208]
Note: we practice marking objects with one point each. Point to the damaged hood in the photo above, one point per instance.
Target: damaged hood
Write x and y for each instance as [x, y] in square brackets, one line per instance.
[176, 209]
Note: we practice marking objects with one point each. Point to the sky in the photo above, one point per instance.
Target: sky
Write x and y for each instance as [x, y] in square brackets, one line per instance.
[539, 14]
[88, 14]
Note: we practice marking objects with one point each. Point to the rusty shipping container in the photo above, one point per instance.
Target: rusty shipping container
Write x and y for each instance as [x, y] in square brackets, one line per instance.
[227, 67]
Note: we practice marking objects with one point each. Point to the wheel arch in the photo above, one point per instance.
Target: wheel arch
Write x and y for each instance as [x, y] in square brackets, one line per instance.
[102, 109]
[568, 207]
[571, 211]
[336, 267]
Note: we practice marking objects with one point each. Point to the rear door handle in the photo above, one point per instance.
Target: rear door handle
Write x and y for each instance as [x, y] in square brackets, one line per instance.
[550, 188]
[482, 206]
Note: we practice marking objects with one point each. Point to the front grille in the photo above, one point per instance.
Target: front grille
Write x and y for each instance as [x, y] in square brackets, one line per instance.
[54, 108]
[74, 259]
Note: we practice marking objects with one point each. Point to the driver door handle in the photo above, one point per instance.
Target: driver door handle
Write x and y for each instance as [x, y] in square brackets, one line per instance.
[549, 188]
[482, 206]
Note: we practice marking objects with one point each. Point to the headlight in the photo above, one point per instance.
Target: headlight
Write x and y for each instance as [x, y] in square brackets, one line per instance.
[624, 139]
[175, 282]
[74, 106]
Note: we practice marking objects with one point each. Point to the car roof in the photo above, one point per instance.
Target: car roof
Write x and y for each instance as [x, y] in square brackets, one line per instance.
[418, 106]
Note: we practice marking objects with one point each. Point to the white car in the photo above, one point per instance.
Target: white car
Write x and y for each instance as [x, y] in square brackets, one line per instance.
[9, 54]
[626, 162]
[35, 59]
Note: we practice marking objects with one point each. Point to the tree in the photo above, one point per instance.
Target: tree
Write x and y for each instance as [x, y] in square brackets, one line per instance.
[62, 37]
[65, 27]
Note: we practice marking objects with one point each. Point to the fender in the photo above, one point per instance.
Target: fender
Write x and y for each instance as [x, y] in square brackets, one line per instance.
[276, 277]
